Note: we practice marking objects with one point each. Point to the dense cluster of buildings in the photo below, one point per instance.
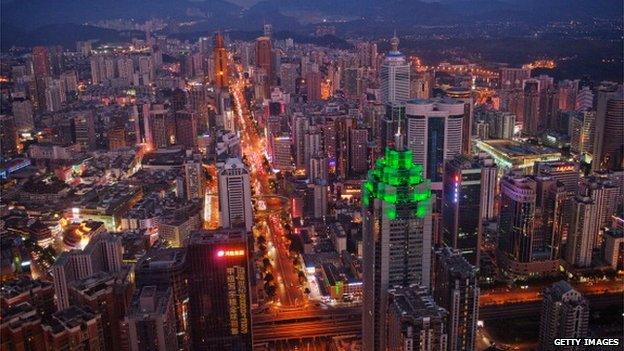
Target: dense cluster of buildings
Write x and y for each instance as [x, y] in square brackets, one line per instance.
[137, 192]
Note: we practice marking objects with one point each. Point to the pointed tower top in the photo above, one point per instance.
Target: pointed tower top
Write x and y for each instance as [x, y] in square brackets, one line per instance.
[394, 42]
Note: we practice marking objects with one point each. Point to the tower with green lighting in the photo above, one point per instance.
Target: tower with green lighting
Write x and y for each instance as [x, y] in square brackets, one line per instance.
[396, 235]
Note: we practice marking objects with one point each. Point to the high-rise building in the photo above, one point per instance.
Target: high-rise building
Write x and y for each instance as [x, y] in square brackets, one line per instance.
[565, 315]
[396, 236]
[395, 115]
[301, 124]
[394, 75]
[194, 179]
[221, 63]
[434, 134]
[415, 321]
[608, 149]
[583, 232]
[151, 320]
[220, 305]
[166, 268]
[84, 129]
[531, 116]
[108, 295]
[530, 224]
[41, 62]
[313, 85]
[584, 100]
[512, 78]
[312, 146]
[186, 129]
[468, 199]
[264, 56]
[457, 291]
[8, 136]
[235, 195]
[358, 151]
[23, 113]
[281, 156]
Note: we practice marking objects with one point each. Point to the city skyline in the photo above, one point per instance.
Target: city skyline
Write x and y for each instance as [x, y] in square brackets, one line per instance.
[284, 175]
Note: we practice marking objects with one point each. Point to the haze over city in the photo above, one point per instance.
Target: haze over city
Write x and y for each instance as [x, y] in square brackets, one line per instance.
[376, 175]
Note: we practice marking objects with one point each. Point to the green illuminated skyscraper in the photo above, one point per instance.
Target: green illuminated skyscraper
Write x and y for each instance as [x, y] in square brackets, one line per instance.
[396, 235]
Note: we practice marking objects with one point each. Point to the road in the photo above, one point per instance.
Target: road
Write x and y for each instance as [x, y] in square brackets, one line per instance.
[253, 145]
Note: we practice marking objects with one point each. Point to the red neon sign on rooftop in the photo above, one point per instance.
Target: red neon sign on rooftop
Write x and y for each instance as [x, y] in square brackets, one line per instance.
[230, 253]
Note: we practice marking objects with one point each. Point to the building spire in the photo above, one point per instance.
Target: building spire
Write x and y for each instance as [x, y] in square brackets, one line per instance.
[398, 137]
[394, 42]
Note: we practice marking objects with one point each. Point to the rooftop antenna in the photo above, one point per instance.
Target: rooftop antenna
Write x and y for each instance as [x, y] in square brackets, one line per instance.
[398, 137]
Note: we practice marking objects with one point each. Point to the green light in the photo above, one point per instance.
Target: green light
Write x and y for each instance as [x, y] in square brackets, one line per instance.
[398, 182]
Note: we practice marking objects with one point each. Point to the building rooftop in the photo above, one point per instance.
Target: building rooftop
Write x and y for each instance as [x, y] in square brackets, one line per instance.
[17, 286]
[414, 303]
[69, 318]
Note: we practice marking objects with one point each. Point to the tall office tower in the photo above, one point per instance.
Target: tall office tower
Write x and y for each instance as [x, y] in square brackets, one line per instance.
[281, 158]
[512, 78]
[468, 200]
[54, 96]
[23, 113]
[330, 140]
[565, 315]
[98, 69]
[457, 291]
[605, 193]
[422, 86]
[68, 267]
[549, 108]
[530, 224]
[313, 85]
[8, 136]
[41, 62]
[151, 321]
[264, 56]
[434, 134]
[395, 115]
[394, 75]
[358, 151]
[319, 190]
[166, 268]
[583, 232]
[312, 146]
[125, 69]
[235, 195]
[221, 62]
[563, 171]
[157, 121]
[73, 328]
[84, 129]
[219, 296]
[608, 153]
[109, 295]
[146, 70]
[288, 75]
[587, 134]
[194, 179]
[300, 124]
[465, 95]
[351, 84]
[415, 321]
[186, 128]
[613, 251]
[396, 235]
[318, 168]
[531, 116]
[567, 94]
[584, 100]
[501, 124]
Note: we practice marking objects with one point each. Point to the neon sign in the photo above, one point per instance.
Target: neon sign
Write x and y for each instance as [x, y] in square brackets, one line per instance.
[230, 253]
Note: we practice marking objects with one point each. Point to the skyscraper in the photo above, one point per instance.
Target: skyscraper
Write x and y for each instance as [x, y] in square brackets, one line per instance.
[166, 268]
[394, 75]
[358, 151]
[531, 117]
[220, 315]
[151, 320]
[221, 64]
[194, 179]
[583, 232]
[235, 195]
[415, 321]
[434, 134]
[396, 235]
[468, 199]
[608, 152]
[565, 315]
[264, 56]
[457, 291]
